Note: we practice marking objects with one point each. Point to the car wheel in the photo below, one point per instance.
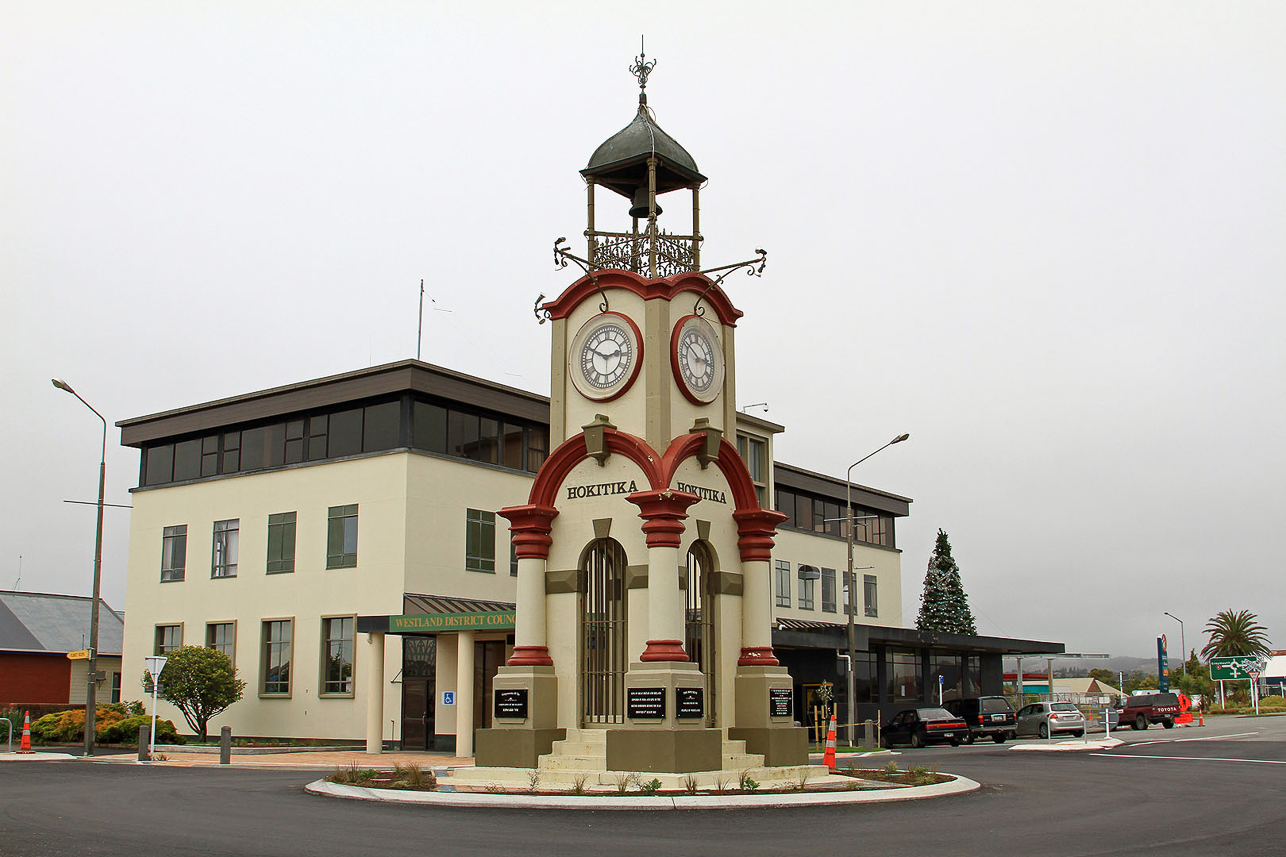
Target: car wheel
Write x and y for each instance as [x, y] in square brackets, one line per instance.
[1168, 724]
[1012, 735]
[1078, 733]
[999, 737]
[916, 740]
[969, 739]
[955, 742]
[1043, 731]
[1140, 722]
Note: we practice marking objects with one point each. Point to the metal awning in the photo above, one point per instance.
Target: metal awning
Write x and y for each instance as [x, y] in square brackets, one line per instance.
[436, 614]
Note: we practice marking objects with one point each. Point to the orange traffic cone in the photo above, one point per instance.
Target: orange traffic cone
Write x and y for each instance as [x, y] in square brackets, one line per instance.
[829, 758]
[25, 747]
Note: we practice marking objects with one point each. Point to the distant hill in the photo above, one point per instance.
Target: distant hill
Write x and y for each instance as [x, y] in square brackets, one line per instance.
[1077, 666]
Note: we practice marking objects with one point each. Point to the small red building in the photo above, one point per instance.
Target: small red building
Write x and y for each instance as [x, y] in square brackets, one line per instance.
[37, 632]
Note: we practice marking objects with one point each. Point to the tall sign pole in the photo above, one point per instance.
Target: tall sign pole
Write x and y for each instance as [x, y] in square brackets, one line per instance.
[1163, 665]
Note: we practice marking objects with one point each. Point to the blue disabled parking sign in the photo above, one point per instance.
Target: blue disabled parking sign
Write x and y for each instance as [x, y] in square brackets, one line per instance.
[448, 697]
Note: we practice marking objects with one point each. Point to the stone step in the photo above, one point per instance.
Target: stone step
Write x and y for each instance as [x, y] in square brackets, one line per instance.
[573, 763]
[580, 748]
[599, 780]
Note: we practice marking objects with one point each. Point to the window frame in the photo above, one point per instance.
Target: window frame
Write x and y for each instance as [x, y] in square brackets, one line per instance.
[157, 647]
[871, 596]
[167, 537]
[476, 523]
[828, 582]
[341, 515]
[323, 680]
[281, 527]
[210, 644]
[807, 589]
[225, 543]
[265, 657]
[781, 575]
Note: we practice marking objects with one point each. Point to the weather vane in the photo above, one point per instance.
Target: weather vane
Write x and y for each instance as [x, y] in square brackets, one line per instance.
[641, 68]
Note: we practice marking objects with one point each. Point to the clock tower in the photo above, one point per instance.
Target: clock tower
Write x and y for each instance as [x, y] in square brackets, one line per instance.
[643, 627]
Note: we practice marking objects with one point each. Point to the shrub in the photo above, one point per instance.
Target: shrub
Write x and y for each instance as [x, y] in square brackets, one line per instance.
[1272, 703]
[126, 731]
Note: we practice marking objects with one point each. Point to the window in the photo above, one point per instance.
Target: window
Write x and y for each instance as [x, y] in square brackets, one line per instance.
[754, 451]
[281, 543]
[828, 590]
[168, 637]
[480, 541]
[904, 673]
[223, 562]
[174, 552]
[513, 559]
[783, 583]
[807, 584]
[276, 657]
[870, 590]
[222, 636]
[341, 537]
[337, 655]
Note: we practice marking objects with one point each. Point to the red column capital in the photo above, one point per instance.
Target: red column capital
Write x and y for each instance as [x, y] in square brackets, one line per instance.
[756, 528]
[663, 513]
[530, 526]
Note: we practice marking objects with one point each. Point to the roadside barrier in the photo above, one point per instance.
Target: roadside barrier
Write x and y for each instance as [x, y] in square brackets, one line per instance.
[829, 758]
[25, 747]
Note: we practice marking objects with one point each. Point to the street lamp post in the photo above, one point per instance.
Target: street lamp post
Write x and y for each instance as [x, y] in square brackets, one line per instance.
[91, 690]
[1183, 644]
[850, 693]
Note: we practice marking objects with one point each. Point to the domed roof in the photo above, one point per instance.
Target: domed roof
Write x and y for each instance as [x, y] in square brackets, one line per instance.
[615, 164]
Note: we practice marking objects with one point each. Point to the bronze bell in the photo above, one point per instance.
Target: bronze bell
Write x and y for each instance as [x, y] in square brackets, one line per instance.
[639, 207]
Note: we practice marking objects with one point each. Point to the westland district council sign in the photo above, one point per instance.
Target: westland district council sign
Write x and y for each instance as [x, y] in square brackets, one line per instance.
[495, 620]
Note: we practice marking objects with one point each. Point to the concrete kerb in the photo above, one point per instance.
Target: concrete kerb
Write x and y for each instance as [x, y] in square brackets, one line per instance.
[960, 785]
[35, 757]
[1075, 745]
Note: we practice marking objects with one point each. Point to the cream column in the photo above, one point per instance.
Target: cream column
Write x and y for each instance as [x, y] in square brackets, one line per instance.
[663, 513]
[375, 693]
[464, 694]
[756, 528]
[530, 527]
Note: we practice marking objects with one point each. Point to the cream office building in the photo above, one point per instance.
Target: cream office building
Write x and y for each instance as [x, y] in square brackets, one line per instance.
[268, 524]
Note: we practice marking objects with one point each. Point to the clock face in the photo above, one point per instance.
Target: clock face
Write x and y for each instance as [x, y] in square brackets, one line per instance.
[697, 359]
[605, 356]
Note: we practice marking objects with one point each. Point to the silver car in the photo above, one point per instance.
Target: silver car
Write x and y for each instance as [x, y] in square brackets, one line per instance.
[1042, 718]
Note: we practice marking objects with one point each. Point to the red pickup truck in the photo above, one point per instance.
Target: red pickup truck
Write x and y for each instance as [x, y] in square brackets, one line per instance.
[1144, 709]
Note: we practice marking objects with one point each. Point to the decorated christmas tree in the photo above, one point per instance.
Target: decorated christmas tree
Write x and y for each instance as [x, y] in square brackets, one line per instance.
[944, 606]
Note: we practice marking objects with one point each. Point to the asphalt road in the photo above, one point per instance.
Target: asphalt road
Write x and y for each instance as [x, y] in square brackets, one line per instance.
[1213, 791]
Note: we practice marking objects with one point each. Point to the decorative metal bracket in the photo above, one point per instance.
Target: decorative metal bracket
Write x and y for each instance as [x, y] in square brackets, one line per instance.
[561, 257]
[542, 314]
[751, 271]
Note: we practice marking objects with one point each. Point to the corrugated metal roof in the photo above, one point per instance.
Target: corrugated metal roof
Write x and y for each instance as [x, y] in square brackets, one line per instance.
[786, 624]
[40, 622]
[413, 603]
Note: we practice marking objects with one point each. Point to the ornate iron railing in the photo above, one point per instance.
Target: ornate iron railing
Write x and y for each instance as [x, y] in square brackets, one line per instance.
[626, 251]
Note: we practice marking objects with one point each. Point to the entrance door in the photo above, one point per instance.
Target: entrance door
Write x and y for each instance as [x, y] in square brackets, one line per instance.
[419, 662]
[699, 631]
[488, 658]
[603, 633]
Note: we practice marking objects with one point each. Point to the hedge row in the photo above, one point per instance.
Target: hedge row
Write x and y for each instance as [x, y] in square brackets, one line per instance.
[115, 723]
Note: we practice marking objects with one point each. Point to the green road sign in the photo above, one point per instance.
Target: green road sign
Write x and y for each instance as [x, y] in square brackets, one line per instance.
[1234, 668]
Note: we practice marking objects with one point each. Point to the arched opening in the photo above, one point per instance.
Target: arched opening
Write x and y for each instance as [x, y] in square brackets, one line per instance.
[699, 631]
[603, 633]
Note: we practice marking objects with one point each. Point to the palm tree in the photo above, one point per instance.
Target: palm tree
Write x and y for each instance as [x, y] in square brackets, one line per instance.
[1235, 634]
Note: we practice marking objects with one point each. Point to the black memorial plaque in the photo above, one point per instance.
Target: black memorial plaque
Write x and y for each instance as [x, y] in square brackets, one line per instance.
[511, 703]
[780, 701]
[689, 703]
[645, 703]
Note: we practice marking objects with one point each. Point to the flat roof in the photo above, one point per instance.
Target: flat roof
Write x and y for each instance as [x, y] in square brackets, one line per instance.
[790, 476]
[387, 379]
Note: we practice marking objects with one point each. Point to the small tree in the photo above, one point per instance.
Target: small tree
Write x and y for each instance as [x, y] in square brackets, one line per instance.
[944, 606]
[201, 682]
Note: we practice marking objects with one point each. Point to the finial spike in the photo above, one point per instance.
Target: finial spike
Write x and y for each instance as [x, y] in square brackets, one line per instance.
[642, 68]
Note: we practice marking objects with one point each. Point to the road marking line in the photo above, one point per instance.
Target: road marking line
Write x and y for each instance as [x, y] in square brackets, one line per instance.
[1191, 758]
[1181, 740]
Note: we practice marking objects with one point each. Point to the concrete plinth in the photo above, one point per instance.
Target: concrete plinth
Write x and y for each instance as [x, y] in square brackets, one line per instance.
[779, 745]
[519, 742]
[664, 750]
[515, 748]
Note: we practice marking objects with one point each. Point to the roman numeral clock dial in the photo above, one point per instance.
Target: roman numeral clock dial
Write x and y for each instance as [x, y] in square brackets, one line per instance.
[605, 356]
[696, 356]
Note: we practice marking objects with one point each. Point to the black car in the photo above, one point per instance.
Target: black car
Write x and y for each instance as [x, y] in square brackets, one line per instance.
[985, 716]
[920, 726]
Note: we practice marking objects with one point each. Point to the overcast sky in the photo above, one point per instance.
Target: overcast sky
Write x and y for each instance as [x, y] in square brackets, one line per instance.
[1046, 239]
